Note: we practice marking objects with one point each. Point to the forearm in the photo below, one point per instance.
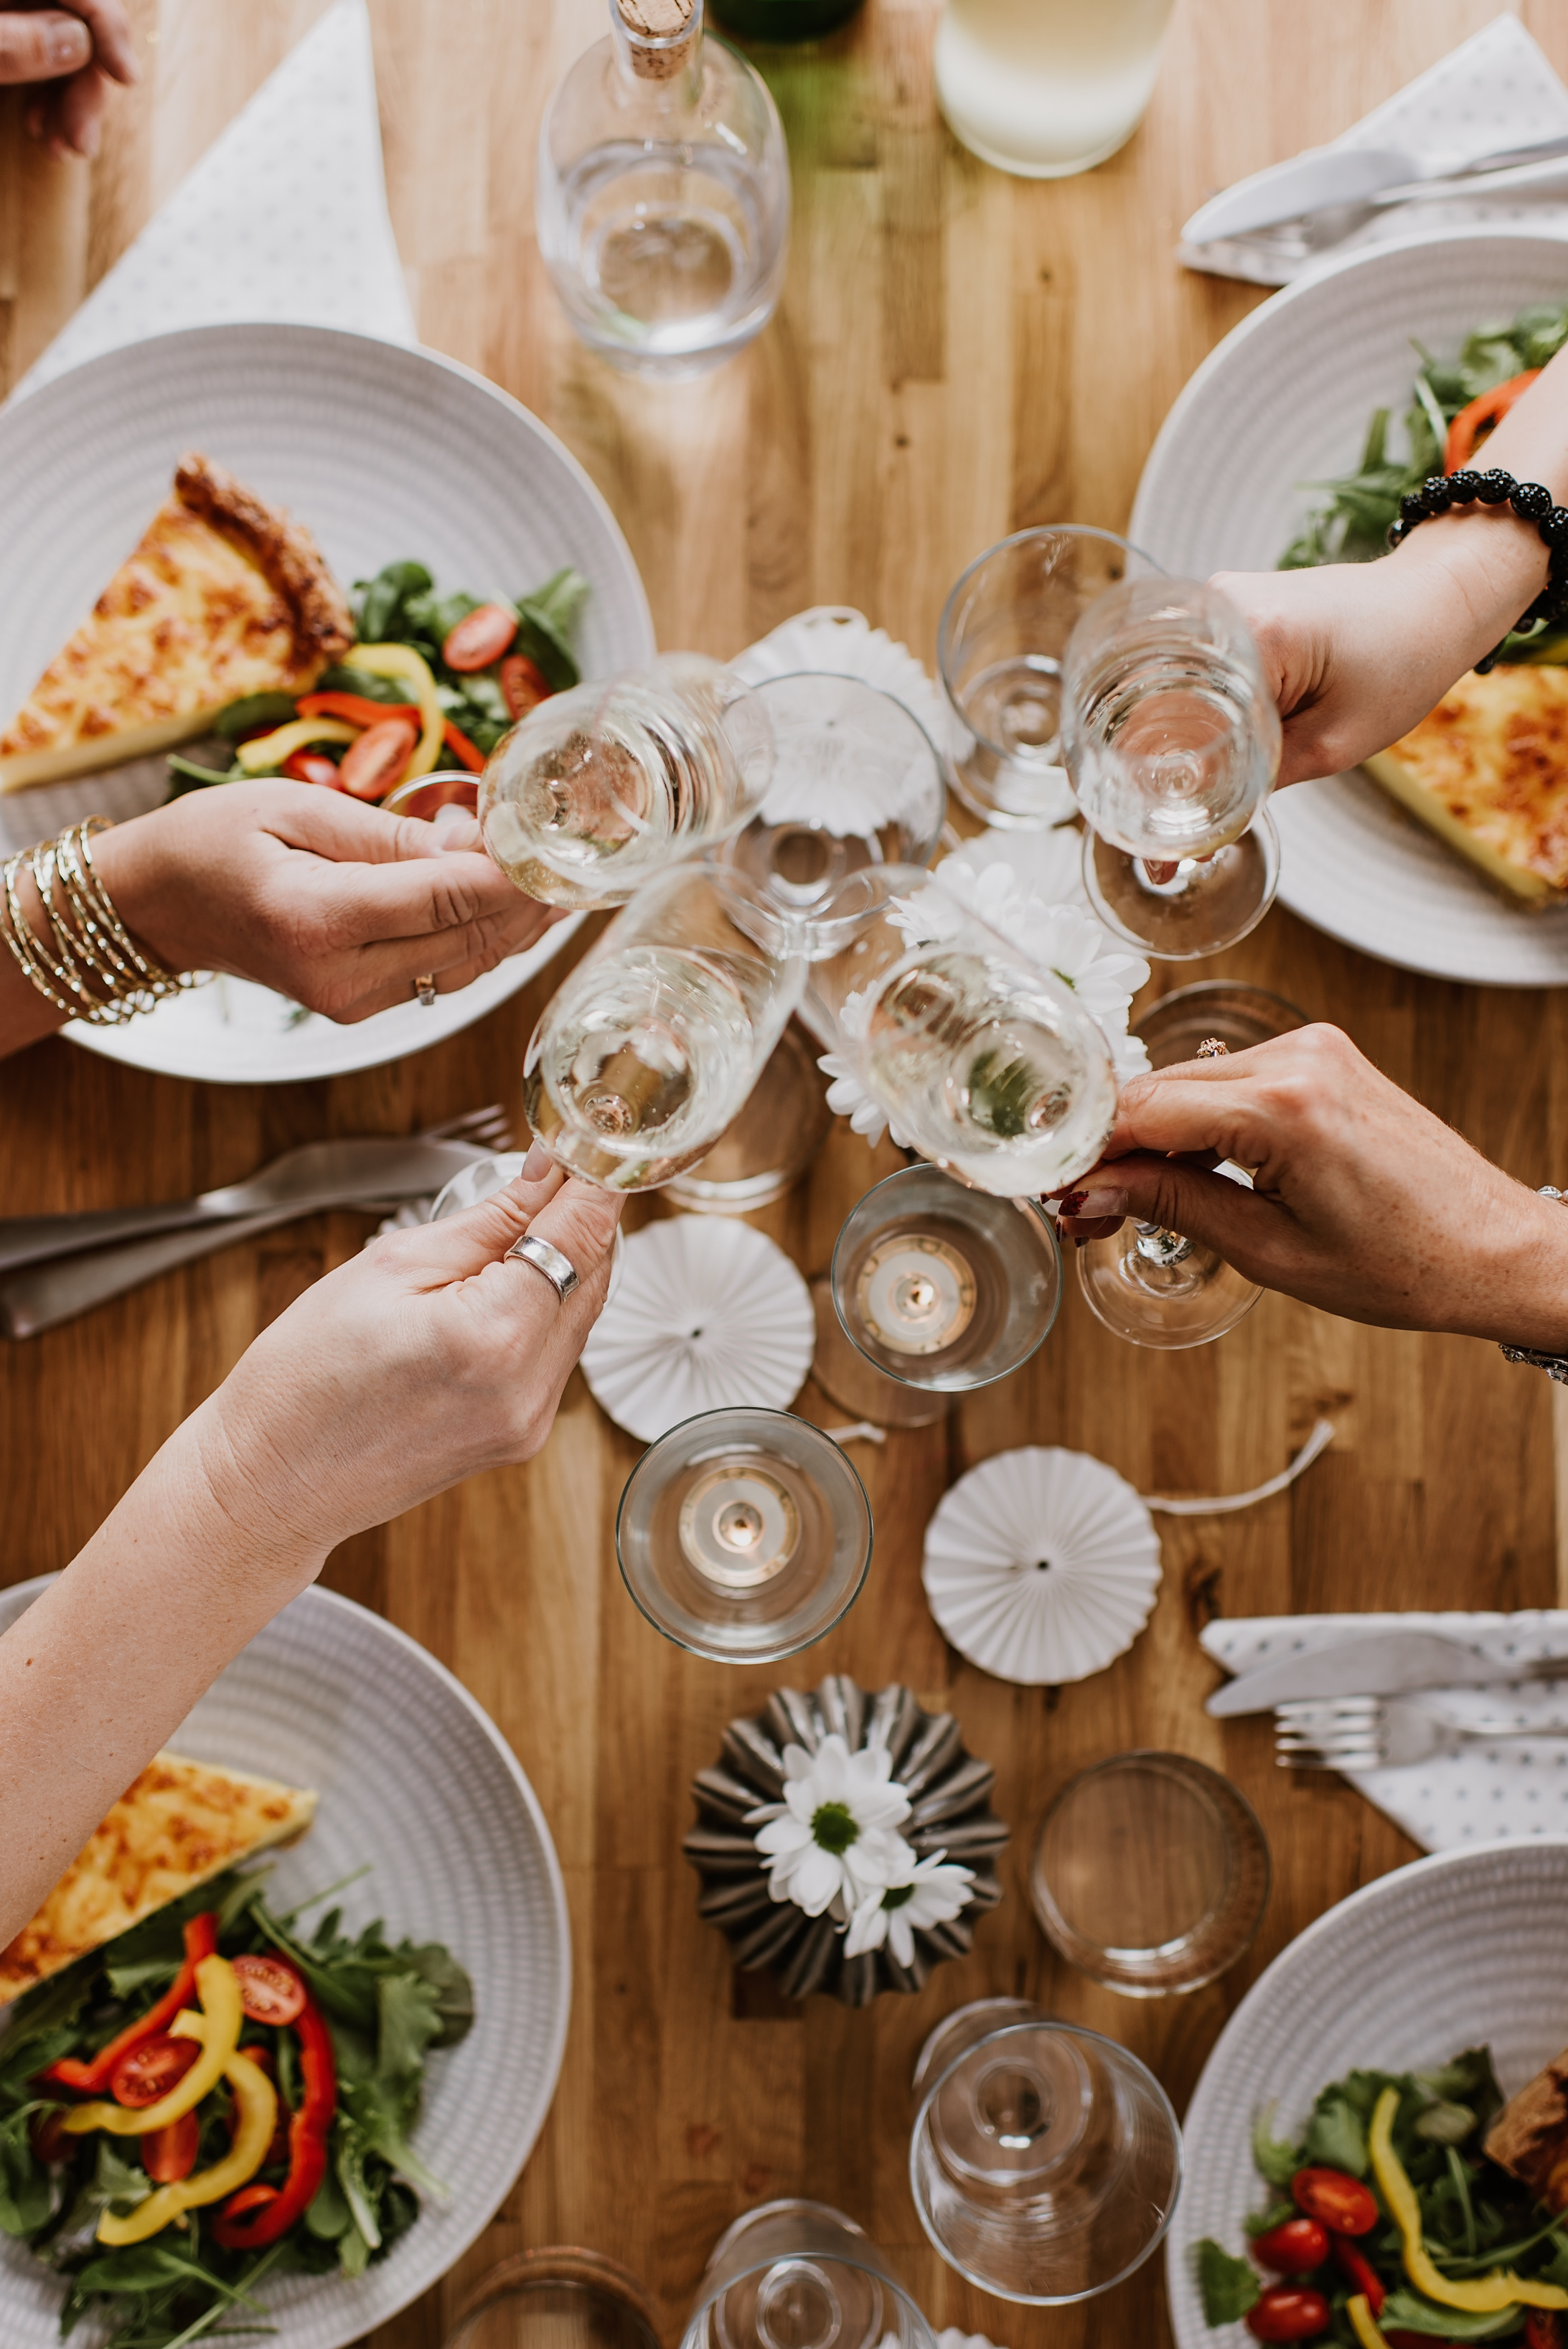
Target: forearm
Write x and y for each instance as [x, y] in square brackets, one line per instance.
[103, 1668]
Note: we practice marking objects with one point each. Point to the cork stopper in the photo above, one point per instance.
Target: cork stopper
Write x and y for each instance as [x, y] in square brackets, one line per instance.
[662, 36]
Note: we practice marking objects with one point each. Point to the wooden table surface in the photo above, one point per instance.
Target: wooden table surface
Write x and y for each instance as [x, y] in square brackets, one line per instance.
[957, 355]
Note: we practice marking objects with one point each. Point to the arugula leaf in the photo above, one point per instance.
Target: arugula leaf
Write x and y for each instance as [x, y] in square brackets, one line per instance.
[253, 709]
[547, 625]
[1259, 2222]
[1336, 2137]
[407, 2023]
[380, 600]
[1273, 2160]
[1229, 2287]
[26, 2195]
[1405, 2309]
[347, 679]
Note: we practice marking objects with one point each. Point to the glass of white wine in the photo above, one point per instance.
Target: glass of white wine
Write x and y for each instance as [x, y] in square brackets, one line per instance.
[649, 1049]
[599, 789]
[1172, 741]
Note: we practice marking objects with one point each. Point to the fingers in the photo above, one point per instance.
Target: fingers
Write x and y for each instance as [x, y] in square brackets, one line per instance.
[333, 824]
[76, 113]
[378, 976]
[113, 48]
[1217, 1213]
[42, 44]
[1256, 1106]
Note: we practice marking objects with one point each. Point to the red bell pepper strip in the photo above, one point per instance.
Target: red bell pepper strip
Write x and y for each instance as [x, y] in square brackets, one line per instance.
[258, 2215]
[93, 2078]
[357, 708]
[466, 752]
[1363, 2275]
[1472, 423]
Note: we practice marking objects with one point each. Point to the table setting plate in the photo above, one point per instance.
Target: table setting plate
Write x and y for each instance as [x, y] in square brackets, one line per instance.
[1457, 1950]
[1284, 402]
[415, 1779]
[384, 453]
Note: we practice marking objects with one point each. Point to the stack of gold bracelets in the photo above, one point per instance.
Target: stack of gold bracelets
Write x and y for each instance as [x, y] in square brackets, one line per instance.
[92, 970]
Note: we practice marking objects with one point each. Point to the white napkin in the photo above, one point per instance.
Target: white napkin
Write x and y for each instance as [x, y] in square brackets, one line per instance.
[283, 218]
[1517, 1787]
[1493, 92]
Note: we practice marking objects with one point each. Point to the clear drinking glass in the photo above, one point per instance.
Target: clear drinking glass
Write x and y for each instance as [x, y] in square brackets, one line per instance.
[555, 2299]
[426, 795]
[646, 1052]
[1172, 741]
[857, 785]
[1216, 1010]
[985, 1064]
[744, 1534]
[1150, 1874]
[770, 1144]
[598, 789]
[484, 1178]
[1045, 2160]
[1044, 88]
[942, 1286]
[1003, 631]
[663, 196]
[800, 2275]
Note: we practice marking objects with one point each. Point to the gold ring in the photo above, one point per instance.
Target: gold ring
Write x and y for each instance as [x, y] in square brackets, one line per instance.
[425, 988]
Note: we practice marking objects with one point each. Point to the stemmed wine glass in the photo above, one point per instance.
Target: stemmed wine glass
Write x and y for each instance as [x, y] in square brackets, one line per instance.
[800, 2275]
[1172, 741]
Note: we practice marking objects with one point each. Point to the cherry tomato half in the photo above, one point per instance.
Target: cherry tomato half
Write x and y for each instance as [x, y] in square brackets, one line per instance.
[170, 2153]
[522, 684]
[1335, 2200]
[269, 1989]
[1294, 2248]
[376, 761]
[312, 766]
[479, 641]
[152, 2068]
[1288, 2312]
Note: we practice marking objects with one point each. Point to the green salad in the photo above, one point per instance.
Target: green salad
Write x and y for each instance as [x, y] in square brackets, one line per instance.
[216, 2098]
[1385, 2221]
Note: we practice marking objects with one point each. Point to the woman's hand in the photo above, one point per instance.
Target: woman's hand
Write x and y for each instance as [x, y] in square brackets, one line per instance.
[74, 51]
[308, 890]
[1364, 1204]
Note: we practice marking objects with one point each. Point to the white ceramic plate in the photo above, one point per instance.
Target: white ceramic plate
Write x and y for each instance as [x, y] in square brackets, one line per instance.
[415, 1779]
[1285, 399]
[1458, 1951]
[384, 453]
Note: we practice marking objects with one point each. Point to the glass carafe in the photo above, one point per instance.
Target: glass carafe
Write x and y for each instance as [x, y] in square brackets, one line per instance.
[663, 199]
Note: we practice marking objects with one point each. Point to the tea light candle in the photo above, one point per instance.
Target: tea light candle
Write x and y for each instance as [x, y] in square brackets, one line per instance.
[739, 1526]
[915, 1293]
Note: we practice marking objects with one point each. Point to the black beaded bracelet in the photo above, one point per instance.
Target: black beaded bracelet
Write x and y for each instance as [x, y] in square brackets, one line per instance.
[1531, 500]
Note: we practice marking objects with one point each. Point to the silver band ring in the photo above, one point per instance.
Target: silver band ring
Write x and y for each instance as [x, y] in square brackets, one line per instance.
[425, 988]
[559, 1270]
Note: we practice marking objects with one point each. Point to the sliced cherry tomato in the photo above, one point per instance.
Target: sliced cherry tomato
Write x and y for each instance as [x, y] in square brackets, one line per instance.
[1472, 425]
[1288, 2312]
[147, 2070]
[269, 1989]
[1294, 2248]
[522, 684]
[1364, 2277]
[1337, 2201]
[371, 765]
[313, 767]
[47, 2135]
[169, 2154]
[479, 641]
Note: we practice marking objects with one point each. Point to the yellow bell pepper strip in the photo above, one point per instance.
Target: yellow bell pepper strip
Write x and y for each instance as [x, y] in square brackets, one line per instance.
[1482, 2295]
[256, 2103]
[1362, 2323]
[218, 2027]
[272, 750]
[403, 661]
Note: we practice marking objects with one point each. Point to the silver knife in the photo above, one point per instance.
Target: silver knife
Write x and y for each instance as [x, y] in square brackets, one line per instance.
[1328, 176]
[1377, 1663]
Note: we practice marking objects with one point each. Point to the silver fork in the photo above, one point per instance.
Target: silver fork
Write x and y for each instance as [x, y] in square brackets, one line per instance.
[1374, 1733]
[50, 1292]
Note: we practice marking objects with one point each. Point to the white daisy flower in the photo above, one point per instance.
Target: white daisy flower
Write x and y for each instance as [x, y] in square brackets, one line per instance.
[924, 1892]
[833, 1837]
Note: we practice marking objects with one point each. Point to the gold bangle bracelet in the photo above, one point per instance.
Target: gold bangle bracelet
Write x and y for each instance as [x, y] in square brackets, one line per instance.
[106, 977]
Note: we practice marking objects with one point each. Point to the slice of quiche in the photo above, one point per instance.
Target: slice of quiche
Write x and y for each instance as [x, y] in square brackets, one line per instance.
[179, 1824]
[1487, 771]
[225, 596]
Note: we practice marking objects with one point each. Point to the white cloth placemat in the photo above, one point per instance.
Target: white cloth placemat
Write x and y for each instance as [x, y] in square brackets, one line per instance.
[1514, 1788]
[1496, 91]
[283, 219]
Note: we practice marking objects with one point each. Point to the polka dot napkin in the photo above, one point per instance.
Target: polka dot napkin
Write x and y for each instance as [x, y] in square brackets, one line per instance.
[1517, 1787]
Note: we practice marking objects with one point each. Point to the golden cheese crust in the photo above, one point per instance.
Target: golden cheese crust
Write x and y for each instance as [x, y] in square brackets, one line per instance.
[1487, 771]
[225, 596]
[180, 1823]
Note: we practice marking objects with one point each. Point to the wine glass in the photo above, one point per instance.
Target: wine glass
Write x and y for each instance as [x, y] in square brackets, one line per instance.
[1044, 2160]
[648, 1049]
[560, 2298]
[800, 2275]
[1003, 631]
[598, 789]
[944, 1287]
[1172, 741]
[744, 1534]
[1215, 1011]
[485, 1176]
[425, 796]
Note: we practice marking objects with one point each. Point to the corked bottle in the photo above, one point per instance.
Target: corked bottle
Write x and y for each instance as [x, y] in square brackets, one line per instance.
[663, 193]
